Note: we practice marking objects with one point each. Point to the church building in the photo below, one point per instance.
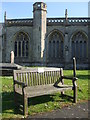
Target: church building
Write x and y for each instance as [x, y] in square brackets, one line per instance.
[42, 41]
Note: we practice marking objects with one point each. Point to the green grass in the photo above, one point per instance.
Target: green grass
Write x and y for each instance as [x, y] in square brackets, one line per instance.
[43, 103]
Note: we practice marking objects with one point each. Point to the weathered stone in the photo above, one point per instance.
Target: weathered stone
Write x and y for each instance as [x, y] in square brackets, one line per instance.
[39, 31]
[12, 57]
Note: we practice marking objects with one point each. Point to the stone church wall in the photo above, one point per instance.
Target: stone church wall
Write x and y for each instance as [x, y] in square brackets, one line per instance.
[1, 25]
[11, 36]
[38, 30]
[71, 30]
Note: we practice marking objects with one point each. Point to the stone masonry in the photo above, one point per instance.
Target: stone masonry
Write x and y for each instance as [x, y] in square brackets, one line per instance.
[42, 41]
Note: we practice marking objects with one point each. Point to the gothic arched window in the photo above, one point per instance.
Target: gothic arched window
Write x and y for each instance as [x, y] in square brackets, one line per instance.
[55, 46]
[79, 46]
[21, 45]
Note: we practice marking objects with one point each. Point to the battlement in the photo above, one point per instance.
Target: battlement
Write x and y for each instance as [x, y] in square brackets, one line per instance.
[69, 21]
[21, 22]
[50, 21]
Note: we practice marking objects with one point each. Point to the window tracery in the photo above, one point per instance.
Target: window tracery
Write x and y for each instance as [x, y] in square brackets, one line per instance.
[79, 46]
[55, 46]
[21, 45]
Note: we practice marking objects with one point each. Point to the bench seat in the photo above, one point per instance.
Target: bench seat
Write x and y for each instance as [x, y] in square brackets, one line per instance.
[43, 90]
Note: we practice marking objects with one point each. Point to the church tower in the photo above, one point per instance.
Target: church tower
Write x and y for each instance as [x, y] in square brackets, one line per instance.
[39, 31]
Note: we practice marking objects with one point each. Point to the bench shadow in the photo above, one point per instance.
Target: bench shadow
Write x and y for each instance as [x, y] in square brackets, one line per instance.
[47, 98]
[40, 99]
[8, 105]
[66, 98]
[7, 102]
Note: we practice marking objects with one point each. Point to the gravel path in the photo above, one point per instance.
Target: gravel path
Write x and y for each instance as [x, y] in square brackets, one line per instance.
[80, 110]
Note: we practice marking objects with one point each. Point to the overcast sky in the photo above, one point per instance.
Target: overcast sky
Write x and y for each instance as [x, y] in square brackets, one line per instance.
[54, 9]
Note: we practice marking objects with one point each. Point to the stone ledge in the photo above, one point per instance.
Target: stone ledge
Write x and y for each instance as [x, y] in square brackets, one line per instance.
[6, 69]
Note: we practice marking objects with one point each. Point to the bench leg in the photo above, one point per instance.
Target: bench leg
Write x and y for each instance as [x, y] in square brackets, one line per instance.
[25, 105]
[75, 93]
[62, 80]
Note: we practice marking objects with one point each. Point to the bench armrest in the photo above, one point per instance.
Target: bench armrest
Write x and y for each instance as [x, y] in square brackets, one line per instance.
[20, 83]
[65, 77]
[75, 78]
[70, 78]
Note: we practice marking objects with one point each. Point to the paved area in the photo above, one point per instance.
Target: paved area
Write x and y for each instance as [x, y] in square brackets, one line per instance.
[80, 110]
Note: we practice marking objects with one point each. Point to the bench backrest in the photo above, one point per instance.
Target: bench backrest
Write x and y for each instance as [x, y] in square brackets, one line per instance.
[38, 76]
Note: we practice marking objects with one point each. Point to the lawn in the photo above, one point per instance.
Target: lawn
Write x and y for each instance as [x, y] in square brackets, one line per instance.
[43, 103]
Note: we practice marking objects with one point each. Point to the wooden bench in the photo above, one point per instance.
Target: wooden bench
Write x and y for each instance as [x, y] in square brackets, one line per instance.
[40, 81]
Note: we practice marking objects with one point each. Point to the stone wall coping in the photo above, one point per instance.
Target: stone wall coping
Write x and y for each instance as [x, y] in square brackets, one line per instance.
[50, 21]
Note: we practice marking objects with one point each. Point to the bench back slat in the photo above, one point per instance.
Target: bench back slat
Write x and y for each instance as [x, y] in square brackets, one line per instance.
[33, 77]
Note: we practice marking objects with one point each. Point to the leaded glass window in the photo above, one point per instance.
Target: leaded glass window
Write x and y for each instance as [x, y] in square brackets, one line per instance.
[21, 45]
[55, 46]
[79, 46]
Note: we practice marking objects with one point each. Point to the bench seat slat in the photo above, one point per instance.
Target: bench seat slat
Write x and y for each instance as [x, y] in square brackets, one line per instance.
[43, 90]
